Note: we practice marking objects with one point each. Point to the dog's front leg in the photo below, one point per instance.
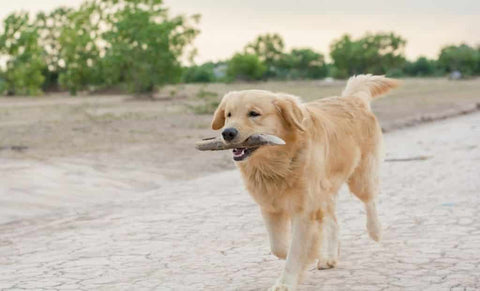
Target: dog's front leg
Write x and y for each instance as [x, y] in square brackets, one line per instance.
[303, 241]
[329, 246]
[278, 227]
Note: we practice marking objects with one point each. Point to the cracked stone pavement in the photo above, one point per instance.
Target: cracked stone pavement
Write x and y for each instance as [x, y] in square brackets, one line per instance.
[207, 234]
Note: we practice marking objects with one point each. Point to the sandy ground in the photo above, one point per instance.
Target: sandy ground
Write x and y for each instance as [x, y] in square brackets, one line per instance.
[206, 233]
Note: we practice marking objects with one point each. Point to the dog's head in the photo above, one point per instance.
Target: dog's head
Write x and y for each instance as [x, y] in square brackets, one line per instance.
[244, 113]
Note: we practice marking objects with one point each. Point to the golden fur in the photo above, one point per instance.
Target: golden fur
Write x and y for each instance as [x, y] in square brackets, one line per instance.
[328, 142]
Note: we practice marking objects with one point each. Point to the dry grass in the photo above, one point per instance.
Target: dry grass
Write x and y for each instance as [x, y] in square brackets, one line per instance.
[162, 132]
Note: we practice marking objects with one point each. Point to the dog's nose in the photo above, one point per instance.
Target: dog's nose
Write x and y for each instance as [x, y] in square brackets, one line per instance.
[229, 134]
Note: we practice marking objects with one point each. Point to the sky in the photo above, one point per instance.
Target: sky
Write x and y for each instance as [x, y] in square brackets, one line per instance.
[228, 25]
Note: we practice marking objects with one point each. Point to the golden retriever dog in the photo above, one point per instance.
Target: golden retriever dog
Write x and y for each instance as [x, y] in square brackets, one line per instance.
[328, 142]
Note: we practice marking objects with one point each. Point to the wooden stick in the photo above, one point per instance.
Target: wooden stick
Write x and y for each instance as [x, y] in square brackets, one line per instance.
[256, 140]
[408, 159]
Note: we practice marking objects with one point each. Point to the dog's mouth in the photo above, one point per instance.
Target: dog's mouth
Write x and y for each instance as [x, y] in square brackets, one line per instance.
[240, 154]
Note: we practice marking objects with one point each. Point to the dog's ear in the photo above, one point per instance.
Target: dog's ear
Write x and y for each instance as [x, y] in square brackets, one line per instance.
[218, 120]
[289, 109]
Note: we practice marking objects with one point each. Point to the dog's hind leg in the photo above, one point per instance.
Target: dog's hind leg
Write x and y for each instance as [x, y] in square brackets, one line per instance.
[363, 183]
[373, 225]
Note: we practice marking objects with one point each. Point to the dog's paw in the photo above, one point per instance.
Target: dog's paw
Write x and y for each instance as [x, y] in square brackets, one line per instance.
[374, 231]
[280, 253]
[323, 264]
[281, 287]
[330, 259]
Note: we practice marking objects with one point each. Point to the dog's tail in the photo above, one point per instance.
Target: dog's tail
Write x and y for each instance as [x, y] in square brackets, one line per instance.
[367, 87]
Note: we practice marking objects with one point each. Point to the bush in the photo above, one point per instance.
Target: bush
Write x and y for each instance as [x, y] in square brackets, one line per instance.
[373, 53]
[395, 73]
[461, 58]
[422, 67]
[3, 85]
[246, 67]
[199, 74]
[301, 64]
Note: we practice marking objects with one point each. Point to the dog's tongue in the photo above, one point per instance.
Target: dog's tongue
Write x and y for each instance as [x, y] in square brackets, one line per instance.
[238, 152]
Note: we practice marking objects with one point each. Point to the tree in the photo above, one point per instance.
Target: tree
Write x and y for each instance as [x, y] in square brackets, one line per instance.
[246, 67]
[373, 53]
[78, 48]
[268, 48]
[50, 27]
[301, 64]
[102, 43]
[19, 44]
[461, 58]
[145, 44]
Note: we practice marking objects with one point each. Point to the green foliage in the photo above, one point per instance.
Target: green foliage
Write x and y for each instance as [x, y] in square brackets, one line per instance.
[19, 44]
[49, 27]
[422, 67]
[301, 64]
[145, 44]
[373, 53]
[137, 45]
[79, 52]
[102, 43]
[199, 74]
[395, 73]
[269, 49]
[461, 58]
[3, 84]
[208, 102]
[246, 67]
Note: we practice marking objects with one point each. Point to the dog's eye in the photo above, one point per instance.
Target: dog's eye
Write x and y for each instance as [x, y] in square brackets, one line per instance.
[253, 114]
[229, 114]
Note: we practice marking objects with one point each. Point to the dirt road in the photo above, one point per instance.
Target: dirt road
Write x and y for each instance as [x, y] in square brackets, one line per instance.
[207, 234]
